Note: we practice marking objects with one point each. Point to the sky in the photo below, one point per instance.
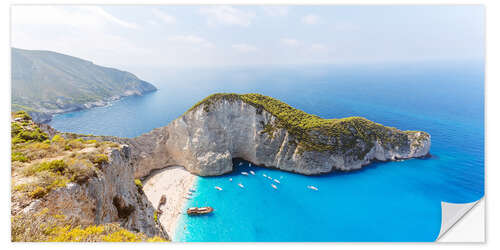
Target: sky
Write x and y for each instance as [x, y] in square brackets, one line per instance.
[138, 37]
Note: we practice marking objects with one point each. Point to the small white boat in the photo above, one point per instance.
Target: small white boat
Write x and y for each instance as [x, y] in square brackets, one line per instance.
[250, 164]
[189, 193]
[187, 198]
[218, 188]
[252, 172]
[230, 179]
[269, 177]
[241, 163]
[274, 186]
[276, 181]
[313, 188]
[264, 175]
[241, 185]
[244, 173]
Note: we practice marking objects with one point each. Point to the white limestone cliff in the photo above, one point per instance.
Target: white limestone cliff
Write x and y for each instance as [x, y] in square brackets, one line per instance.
[205, 140]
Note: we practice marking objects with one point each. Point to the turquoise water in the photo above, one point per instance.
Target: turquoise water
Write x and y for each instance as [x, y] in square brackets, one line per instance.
[392, 201]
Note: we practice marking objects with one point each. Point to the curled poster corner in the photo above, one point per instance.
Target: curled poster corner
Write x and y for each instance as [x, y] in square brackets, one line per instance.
[451, 213]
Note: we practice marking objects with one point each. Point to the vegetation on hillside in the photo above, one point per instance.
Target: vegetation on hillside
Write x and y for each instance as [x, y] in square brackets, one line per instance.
[47, 81]
[313, 133]
[45, 227]
[40, 165]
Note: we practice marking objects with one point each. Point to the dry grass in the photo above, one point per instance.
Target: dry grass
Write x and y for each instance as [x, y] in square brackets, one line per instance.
[46, 227]
[40, 166]
[50, 164]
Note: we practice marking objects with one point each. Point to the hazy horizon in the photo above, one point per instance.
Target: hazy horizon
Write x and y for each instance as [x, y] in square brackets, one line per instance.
[138, 38]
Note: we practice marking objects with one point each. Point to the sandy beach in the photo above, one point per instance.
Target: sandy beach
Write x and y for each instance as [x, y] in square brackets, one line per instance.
[173, 182]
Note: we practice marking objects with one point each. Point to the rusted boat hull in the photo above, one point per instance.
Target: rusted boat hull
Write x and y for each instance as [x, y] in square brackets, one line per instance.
[199, 210]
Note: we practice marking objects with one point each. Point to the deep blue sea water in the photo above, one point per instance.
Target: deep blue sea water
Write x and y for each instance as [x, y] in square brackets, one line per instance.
[393, 201]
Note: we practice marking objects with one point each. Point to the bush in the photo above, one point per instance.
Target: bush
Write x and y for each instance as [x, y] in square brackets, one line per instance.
[18, 156]
[97, 233]
[57, 139]
[55, 166]
[23, 115]
[32, 227]
[99, 159]
[38, 150]
[68, 234]
[59, 182]
[52, 166]
[138, 183]
[20, 187]
[38, 193]
[17, 140]
[80, 170]
[43, 184]
[74, 144]
[15, 129]
[34, 135]
[156, 239]
[122, 235]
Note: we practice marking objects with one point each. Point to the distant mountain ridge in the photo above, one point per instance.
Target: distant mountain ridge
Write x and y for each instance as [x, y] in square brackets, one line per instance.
[46, 83]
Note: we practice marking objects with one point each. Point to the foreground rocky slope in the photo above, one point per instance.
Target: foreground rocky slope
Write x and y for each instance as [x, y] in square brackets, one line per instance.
[46, 82]
[70, 189]
[268, 132]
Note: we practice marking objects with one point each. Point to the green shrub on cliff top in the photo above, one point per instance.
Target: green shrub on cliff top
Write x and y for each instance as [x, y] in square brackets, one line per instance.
[138, 183]
[99, 159]
[22, 114]
[307, 128]
[18, 156]
[56, 166]
[25, 130]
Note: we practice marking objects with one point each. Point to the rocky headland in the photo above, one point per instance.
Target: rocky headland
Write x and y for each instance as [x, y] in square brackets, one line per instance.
[268, 132]
[45, 83]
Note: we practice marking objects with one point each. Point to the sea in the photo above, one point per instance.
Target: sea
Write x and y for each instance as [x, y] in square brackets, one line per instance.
[385, 201]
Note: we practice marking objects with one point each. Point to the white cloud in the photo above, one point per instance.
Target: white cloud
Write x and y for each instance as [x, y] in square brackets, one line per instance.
[101, 12]
[290, 42]
[243, 47]
[276, 11]
[346, 26]
[166, 18]
[310, 19]
[191, 40]
[318, 47]
[152, 22]
[227, 15]
[84, 16]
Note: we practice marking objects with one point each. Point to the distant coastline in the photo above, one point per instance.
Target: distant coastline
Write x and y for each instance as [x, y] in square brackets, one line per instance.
[46, 116]
[45, 83]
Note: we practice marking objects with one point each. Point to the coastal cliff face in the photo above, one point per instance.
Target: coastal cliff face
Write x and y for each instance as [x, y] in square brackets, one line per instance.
[85, 182]
[270, 133]
[109, 197]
